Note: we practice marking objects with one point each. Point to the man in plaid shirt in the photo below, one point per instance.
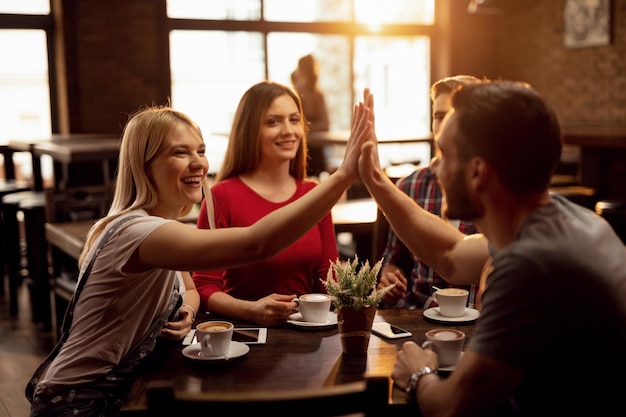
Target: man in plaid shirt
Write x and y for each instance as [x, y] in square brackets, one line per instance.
[423, 187]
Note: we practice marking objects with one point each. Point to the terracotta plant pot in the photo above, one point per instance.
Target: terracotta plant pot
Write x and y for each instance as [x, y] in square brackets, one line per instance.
[355, 328]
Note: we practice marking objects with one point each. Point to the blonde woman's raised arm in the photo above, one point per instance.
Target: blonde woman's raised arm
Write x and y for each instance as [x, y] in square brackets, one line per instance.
[176, 246]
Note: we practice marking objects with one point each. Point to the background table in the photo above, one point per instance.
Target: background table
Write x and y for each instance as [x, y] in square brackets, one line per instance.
[66, 149]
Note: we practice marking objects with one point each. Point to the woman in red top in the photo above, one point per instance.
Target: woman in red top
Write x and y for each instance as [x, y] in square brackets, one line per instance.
[264, 169]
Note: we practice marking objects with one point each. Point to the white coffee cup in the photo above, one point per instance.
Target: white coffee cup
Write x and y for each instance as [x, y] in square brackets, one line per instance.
[447, 343]
[214, 337]
[314, 307]
[452, 301]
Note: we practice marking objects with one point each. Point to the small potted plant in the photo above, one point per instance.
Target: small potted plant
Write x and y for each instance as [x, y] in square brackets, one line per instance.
[352, 287]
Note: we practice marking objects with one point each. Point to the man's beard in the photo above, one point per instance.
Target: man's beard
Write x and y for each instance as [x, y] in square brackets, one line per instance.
[458, 204]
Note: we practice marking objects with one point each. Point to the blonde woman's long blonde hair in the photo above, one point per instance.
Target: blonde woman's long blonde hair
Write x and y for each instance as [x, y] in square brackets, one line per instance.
[143, 137]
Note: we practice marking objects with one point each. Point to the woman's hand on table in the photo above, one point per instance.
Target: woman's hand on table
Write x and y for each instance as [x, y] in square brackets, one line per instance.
[273, 309]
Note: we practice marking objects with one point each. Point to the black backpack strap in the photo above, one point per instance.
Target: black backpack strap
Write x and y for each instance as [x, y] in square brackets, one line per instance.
[69, 313]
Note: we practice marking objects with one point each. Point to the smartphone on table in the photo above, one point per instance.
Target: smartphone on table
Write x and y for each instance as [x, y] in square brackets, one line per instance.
[389, 331]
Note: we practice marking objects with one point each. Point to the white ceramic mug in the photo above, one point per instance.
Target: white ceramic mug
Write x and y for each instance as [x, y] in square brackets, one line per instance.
[214, 337]
[314, 307]
[452, 301]
[447, 343]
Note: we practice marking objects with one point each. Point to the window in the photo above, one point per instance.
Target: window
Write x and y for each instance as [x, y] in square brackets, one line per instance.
[24, 84]
[24, 91]
[218, 49]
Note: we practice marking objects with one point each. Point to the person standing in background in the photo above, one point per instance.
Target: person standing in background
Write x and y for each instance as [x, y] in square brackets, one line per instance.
[304, 80]
[414, 279]
[264, 169]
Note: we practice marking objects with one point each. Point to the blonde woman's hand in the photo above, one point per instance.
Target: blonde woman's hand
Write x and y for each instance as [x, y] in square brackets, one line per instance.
[176, 330]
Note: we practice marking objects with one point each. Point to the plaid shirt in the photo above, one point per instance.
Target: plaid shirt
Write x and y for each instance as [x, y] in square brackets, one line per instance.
[421, 186]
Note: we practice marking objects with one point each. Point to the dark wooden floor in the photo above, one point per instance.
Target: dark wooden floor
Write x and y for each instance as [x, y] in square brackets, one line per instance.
[23, 345]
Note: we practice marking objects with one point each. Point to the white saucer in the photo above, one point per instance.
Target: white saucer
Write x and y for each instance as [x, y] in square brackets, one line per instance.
[237, 349]
[470, 315]
[296, 320]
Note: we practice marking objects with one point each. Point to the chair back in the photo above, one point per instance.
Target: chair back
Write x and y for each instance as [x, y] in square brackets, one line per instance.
[78, 203]
[363, 398]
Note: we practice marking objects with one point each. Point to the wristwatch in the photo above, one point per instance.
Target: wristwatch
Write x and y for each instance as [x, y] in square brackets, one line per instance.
[414, 379]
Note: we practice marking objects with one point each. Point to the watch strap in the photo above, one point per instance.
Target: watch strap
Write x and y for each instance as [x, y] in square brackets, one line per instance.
[411, 388]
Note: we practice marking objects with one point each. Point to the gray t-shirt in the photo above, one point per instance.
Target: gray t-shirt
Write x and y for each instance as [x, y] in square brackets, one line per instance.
[114, 309]
[555, 306]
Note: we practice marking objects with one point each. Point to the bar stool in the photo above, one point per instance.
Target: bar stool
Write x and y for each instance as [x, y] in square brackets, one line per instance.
[13, 245]
[614, 211]
[8, 187]
[34, 211]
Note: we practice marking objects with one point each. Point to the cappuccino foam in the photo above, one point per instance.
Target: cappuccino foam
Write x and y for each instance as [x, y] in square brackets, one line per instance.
[213, 327]
[452, 291]
[445, 335]
[314, 297]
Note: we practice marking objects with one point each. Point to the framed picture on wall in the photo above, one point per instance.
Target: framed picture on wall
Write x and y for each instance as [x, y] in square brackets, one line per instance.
[587, 23]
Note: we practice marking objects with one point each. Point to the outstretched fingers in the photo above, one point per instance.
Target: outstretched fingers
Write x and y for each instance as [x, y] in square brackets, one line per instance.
[368, 100]
[359, 134]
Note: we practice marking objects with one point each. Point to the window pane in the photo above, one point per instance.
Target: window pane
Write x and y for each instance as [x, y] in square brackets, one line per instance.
[397, 70]
[395, 11]
[215, 9]
[24, 91]
[25, 6]
[331, 53]
[308, 10]
[210, 72]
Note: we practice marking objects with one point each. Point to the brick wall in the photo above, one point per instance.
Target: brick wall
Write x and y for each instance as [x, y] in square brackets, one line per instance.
[586, 86]
[115, 60]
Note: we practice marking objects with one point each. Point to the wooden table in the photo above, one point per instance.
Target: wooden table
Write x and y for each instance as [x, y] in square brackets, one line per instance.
[69, 149]
[292, 358]
[68, 237]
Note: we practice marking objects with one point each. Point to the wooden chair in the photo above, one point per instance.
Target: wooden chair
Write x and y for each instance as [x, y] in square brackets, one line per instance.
[363, 398]
[78, 203]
